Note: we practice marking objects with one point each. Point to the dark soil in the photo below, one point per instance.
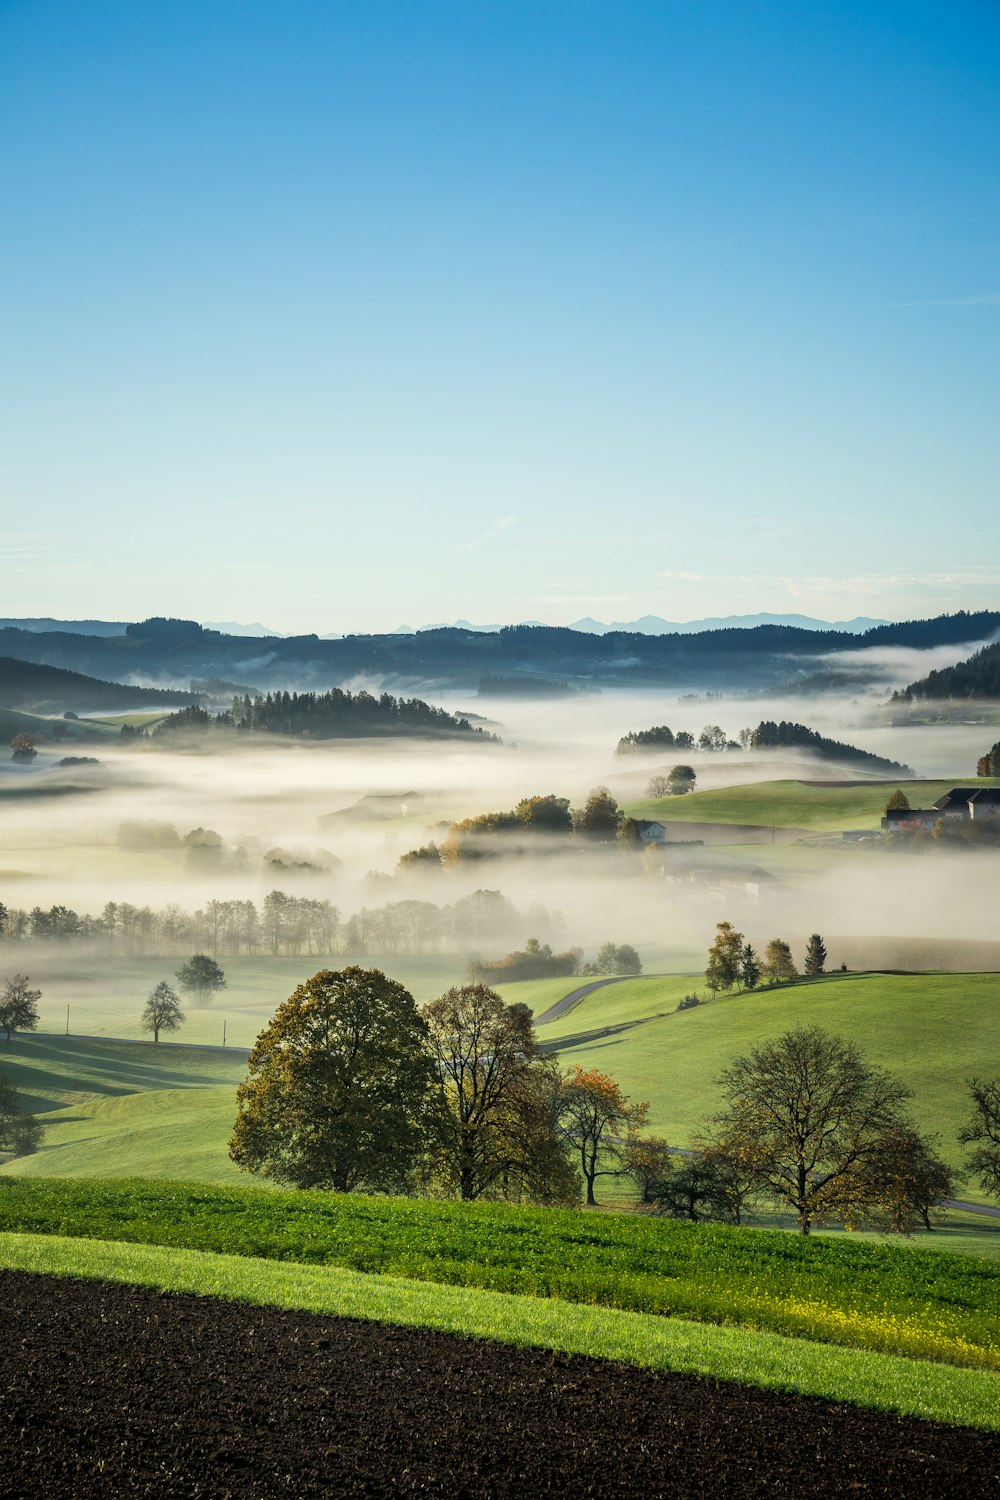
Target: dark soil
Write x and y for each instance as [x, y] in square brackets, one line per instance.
[110, 1390]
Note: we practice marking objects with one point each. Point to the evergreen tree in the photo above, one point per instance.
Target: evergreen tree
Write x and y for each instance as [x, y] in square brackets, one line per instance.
[749, 968]
[815, 955]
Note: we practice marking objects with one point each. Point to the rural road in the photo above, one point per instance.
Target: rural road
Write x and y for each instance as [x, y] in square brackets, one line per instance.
[575, 996]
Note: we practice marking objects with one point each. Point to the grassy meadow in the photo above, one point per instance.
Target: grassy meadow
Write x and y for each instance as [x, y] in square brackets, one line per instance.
[933, 1030]
[815, 806]
[837, 1291]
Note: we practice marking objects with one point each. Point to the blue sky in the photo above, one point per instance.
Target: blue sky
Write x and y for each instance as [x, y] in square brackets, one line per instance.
[342, 315]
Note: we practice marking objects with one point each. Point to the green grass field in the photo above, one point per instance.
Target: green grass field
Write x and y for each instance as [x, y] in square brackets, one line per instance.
[839, 1291]
[106, 996]
[795, 804]
[933, 1030]
[911, 1387]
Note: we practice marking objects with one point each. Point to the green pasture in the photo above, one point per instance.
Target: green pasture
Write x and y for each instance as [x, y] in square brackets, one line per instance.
[796, 804]
[837, 1291]
[932, 1030]
[917, 1388]
[106, 995]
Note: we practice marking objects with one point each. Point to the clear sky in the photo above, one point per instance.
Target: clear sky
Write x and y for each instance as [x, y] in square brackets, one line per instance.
[340, 315]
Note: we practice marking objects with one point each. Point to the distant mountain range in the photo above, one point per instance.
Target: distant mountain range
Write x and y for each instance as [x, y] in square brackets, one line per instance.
[170, 653]
[656, 625]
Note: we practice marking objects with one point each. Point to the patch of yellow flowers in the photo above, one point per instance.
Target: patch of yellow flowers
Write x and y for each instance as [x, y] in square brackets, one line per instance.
[917, 1337]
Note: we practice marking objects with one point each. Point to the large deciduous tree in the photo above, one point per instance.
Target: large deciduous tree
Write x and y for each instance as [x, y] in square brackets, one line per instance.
[18, 1005]
[498, 1100]
[811, 1121]
[983, 1132]
[162, 1011]
[337, 1087]
[598, 1122]
[681, 779]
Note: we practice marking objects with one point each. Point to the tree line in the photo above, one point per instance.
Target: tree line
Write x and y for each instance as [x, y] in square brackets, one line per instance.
[734, 963]
[768, 735]
[353, 1087]
[336, 714]
[282, 925]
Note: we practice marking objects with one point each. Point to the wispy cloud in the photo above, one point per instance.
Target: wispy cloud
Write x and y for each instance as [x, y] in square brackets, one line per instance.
[984, 299]
[502, 523]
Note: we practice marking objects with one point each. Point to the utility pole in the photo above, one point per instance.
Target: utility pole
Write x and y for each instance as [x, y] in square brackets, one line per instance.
[223, 1033]
[67, 1020]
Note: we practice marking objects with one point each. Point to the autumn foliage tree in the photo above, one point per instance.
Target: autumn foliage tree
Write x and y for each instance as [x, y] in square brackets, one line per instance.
[598, 1121]
[338, 1087]
[497, 1132]
[723, 970]
[779, 965]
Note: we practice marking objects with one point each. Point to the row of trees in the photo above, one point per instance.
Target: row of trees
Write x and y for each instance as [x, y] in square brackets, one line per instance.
[352, 1086]
[733, 962]
[336, 714]
[492, 833]
[768, 735]
[281, 924]
[662, 737]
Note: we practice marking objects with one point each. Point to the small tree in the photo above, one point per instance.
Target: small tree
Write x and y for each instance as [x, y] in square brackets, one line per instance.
[722, 971]
[779, 965]
[600, 819]
[597, 1121]
[19, 1133]
[658, 786]
[681, 780]
[614, 958]
[628, 836]
[23, 747]
[989, 764]
[815, 955]
[201, 976]
[702, 1186]
[983, 1132]
[898, 802]
[749, 968]
[910, 1182]
[18, 1005]
[163, 1011]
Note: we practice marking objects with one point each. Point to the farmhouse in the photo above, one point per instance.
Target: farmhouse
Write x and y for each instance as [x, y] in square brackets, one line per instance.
[963, 804]
[651, 832]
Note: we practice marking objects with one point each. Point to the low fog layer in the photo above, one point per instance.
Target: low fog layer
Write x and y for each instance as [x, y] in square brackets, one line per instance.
[286, 815]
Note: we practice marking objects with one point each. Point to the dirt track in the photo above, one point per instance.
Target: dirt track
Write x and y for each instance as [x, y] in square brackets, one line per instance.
[109, 1390]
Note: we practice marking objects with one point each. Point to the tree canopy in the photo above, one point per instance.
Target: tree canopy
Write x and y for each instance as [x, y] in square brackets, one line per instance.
[162, 1011]
[338, 1087]
[811, 1121]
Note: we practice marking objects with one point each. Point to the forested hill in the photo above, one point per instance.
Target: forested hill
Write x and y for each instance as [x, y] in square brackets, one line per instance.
[32, 688]
[458, 658]
[321, 716]
[979, 677]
